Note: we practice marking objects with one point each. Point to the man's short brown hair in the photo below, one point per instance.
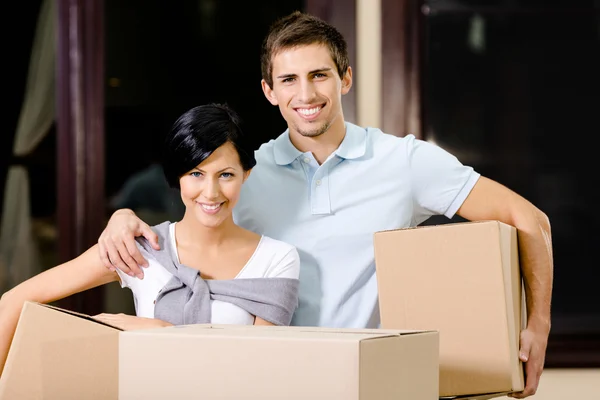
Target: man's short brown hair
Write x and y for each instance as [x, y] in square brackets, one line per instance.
[300, 29]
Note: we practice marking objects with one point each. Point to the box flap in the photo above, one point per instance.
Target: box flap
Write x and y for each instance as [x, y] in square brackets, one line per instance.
[441, 226]
[76, 314]
[251, 332]
[50, 345]
[311, 329]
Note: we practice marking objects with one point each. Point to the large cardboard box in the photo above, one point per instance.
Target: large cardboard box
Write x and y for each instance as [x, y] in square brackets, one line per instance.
[59, 354]
[62, 355]
[220, 362]
[462, 279]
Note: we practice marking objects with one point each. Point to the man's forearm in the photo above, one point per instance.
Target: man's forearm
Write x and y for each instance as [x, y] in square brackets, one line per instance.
[535, 248]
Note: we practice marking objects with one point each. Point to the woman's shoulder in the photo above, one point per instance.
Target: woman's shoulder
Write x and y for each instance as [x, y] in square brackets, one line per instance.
[274, 258]
[276, 246]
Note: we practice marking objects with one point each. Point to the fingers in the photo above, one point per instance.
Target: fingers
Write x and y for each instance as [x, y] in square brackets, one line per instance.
[125, 260]
[533, 371]
[117, 246]
[534, 365]
[115, 320]
[529, 391]
[102, 317]
[149, 234]
[103, 253]
[135, 253]
[109, 254]
[114, 258]
[526, 342]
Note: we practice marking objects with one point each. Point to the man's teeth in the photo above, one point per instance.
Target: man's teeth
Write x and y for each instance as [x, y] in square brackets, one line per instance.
[309, 111]
[213, 207]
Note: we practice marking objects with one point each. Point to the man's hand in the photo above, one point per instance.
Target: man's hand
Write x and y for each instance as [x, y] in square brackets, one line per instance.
[533, 354]
[117, 243]
[131, 322]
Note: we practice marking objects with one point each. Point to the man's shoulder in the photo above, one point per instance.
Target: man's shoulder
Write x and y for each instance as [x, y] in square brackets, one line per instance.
[381, 145]
[266, 152]
[379, 137]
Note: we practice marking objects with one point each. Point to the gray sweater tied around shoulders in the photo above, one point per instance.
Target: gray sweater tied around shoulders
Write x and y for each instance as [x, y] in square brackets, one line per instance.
[185, 299]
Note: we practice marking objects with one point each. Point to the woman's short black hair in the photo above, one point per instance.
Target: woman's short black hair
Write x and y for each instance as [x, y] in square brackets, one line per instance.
[197, 134]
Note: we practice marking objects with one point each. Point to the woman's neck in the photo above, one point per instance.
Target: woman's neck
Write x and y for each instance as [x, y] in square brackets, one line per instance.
[192, 234]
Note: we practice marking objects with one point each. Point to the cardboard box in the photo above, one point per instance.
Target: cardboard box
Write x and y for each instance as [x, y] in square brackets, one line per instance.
[220, 362]
[462, 279]
[59, 354]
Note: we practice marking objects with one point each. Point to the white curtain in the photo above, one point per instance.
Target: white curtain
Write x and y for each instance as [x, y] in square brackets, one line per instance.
[19, 257]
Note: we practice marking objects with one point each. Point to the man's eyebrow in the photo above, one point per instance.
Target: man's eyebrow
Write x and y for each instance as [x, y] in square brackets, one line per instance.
[285, 76]
[324, 69]
[314, 71]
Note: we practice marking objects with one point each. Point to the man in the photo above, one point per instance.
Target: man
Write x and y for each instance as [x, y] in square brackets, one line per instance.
[326, 186]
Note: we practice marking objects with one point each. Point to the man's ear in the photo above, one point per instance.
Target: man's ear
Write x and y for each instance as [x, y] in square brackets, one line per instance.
[269, 93]
[347, 81]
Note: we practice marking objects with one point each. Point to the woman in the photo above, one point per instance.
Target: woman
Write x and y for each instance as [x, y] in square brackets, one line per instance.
[207, 269]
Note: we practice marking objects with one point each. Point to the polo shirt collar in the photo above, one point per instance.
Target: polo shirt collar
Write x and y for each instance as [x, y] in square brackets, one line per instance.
[285, 152]
[353, 146]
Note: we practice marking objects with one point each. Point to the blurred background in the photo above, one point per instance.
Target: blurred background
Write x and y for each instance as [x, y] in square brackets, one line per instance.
[511, 87]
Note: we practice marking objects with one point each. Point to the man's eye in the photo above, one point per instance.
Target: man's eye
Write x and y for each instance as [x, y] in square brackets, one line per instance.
[288, 80]
[320, 75]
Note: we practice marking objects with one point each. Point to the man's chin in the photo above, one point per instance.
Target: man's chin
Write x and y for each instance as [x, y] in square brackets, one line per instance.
[310, 134]
[313, 132]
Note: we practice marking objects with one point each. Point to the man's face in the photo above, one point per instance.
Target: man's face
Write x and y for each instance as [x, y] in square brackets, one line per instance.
[308, 89]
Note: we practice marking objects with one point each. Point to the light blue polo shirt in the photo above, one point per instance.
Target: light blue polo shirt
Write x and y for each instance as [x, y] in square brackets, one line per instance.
[372, 182]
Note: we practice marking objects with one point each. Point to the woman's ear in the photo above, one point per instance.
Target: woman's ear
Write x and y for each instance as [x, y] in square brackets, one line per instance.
[247, 174]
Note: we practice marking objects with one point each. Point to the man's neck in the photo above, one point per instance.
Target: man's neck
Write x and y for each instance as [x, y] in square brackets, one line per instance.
[321, 146]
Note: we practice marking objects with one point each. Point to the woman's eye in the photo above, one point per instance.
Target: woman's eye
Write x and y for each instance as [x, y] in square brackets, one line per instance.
[196, 174]
[226, 175]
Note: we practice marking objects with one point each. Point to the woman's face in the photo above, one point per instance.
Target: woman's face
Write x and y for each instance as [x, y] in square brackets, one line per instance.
[212, 189]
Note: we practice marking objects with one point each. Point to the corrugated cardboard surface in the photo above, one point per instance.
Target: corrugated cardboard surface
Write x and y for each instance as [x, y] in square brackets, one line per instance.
[239, 363]
[60, 355]
[463, 280]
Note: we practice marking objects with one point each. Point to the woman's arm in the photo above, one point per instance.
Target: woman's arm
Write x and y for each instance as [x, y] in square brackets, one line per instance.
[131, 322]
[260, 321]
[82, 273]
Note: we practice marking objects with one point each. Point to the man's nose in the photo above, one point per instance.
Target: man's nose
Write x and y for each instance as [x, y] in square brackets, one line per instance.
[307, 92]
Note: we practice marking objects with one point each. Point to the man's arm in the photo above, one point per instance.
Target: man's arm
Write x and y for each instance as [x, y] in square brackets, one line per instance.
[490, 200]
[78, 275]
[116, 245]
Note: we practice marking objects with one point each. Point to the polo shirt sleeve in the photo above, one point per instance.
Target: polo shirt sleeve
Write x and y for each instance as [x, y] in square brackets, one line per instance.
[440, 183]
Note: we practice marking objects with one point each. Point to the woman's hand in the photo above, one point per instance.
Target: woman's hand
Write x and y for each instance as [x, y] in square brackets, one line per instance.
[130, 322]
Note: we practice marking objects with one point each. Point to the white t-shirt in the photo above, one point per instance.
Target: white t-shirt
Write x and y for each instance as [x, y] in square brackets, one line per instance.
[272, 258]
